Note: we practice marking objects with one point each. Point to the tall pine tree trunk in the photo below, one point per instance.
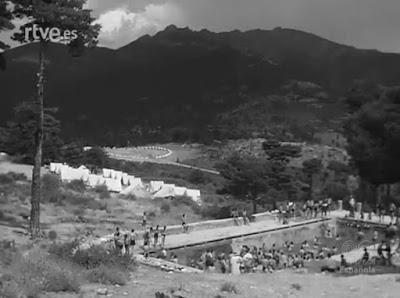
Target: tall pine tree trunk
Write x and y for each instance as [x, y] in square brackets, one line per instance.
[37, 163]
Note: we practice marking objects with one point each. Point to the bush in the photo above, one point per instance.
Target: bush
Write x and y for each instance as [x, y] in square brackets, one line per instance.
[216, 212]
[93, 257]
[7, 178]
[197, 177]
[95, 157]
[60, 279]
[37, 272]
[107, 275]
[151, 214]
[96, 205]
[52, 235]
[76, 185]
[51, 188]
[229, 288]
[102, 191]
[12, 177]
[64, 250]
[165, 207]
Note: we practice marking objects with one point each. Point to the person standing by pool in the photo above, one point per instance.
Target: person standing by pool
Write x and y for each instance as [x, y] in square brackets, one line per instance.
[132, 238]
[163, 235]
[156, 233]
[127, 243]
[183, 220]
[144, 219]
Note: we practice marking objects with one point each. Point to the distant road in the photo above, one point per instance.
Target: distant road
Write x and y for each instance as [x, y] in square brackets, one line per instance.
[160, 161]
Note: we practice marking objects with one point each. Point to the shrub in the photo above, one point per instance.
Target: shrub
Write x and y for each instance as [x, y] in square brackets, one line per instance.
[37, 272]
[151, 214]
[52, 235]
[9, 290]
[216, 212]
[74, 198]
[11, 178]
[296, 286]
[59, 279]
[96, 256]
[64, 250]
[102, 191]
[197, 177]
[7, 178]
[130, 197]
[229, 288]
[165, 207]
[95, 157]
[51, 188]
[95, 205]
[107, 275]
[76, 185]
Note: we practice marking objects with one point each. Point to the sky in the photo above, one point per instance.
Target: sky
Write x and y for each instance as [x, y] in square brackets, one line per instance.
[371, 24]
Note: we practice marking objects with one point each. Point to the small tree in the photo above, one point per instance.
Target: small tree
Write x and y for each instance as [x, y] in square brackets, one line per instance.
[247, 177]
[311, 168]
[45, 14]
[5, 24]
[18, 139]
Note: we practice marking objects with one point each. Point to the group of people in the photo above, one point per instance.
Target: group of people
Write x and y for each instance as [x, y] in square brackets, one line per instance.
[124, 241]
[240, 217]
[263, 259]
[394, 212]
[310, 209]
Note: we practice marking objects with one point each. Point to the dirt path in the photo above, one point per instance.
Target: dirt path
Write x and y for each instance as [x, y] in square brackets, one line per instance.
[145, 282]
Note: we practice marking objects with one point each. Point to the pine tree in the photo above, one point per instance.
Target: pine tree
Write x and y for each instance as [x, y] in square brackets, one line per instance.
[5, 24]
[66, 16]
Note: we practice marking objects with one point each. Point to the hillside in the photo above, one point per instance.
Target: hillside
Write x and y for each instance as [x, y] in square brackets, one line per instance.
[173, 85]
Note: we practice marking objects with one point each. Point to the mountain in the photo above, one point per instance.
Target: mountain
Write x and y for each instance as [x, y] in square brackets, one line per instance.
[174, 84]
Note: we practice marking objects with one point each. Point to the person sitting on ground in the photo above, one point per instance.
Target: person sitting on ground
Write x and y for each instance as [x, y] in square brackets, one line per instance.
[375, 236]
[365, 257]
[321, 254]
[343, 262]
[209, 260]
[298, 261]
[334, 250]
[330, 265]
[316, 242]
[291, 246]
[284, 260]
[163, 254]
[248, 262]
[174, 259]
[286, 244]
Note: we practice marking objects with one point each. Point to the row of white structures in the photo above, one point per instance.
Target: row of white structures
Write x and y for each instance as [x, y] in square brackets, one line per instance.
[120, 182]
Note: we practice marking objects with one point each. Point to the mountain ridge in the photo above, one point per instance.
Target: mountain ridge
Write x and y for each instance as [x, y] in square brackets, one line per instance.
[180, 78]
